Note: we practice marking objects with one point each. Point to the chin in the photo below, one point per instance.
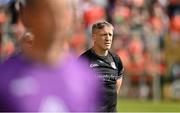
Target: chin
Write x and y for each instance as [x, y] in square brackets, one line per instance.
[109, 47]
[106, 49]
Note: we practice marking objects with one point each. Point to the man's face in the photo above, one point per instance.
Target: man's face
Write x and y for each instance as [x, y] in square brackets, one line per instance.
[103, 38]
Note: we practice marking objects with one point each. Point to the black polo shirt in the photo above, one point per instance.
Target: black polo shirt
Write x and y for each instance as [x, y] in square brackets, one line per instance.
[108, 72]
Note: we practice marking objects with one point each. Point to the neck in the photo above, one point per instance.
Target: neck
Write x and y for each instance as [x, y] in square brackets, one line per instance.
[51, 56]
[100, 52]
[56, 53]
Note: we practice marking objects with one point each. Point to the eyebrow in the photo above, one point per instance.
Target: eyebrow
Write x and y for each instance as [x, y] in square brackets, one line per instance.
[107, 34]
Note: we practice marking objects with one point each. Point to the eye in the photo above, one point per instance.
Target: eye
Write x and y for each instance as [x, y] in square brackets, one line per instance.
[105, 34]
[110, 34]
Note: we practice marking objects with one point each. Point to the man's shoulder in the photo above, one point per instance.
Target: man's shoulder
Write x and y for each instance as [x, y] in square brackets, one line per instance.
[114, 55]
[14, 64]
[9, 61]
[117, 59]
[86, 55]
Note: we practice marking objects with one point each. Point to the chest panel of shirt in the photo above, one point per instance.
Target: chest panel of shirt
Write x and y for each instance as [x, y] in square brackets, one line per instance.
[106, 69]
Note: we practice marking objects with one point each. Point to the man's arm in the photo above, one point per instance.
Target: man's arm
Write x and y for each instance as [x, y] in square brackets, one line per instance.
[118, 84]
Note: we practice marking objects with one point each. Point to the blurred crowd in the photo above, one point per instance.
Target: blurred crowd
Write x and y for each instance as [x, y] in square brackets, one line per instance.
[142, 28]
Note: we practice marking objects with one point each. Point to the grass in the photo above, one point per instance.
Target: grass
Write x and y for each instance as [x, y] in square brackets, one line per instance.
[127, 105]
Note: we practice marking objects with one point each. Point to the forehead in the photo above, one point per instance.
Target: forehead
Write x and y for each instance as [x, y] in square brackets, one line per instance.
[106, 29]
[48, 4]
[60, 4]
[46, 8]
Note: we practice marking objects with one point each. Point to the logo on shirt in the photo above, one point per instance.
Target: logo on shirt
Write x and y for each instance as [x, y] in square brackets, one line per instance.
[93, 65]
[113, 65]
[100, 61]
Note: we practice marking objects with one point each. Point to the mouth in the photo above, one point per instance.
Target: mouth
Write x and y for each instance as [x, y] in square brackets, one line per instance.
[107, 43]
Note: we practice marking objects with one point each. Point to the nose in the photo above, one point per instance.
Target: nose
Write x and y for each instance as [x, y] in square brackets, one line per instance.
[108, 37]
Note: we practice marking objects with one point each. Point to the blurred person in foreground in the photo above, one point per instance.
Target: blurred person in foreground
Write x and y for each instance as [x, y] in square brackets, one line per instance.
[43, 76]
[106, 64]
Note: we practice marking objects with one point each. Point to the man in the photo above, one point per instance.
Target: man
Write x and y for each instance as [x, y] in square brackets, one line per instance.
[43, 77]
[107, 64]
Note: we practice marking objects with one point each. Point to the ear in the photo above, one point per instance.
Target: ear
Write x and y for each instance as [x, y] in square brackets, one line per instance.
[28, 40]
[94, 36]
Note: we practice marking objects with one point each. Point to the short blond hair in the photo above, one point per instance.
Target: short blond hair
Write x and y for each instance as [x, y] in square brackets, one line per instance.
[101, 25]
